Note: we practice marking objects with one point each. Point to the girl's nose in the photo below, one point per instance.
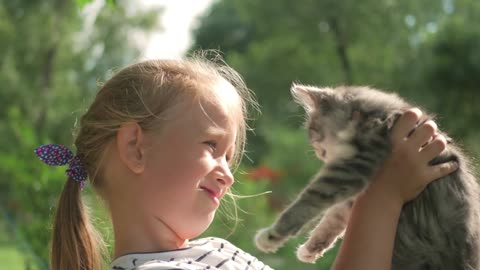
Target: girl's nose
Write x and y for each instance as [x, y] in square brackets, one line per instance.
[224, 174]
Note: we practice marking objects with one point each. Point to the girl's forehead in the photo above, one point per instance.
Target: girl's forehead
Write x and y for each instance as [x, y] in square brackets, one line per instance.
[223, 101]
[215, 116]
[217, 106]
[226, 94]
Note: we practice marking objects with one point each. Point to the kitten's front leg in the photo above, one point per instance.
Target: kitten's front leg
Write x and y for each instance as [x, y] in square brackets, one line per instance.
[267, 240]
[288, 224]
[291, 220]
[325, 234]
[337, 182]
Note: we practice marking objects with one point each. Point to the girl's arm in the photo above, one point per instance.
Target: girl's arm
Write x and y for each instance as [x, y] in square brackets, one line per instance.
[369, 239]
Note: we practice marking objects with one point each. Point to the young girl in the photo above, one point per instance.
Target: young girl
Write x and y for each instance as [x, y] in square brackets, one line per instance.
[158, 143]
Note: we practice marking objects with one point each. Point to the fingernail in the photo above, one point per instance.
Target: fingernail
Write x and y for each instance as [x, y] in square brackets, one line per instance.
[455, 165]
[417, 111]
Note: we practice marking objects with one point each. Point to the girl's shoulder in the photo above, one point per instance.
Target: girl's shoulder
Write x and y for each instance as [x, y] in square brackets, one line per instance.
[205, 253]
[162, 265]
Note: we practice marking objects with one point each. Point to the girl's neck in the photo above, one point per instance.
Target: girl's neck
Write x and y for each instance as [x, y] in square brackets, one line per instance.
[134, 234]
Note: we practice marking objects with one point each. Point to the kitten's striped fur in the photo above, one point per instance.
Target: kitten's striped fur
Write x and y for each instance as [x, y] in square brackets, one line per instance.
[349, 129]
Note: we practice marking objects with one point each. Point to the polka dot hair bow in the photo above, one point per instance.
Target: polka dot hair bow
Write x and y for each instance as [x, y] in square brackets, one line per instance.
[59, 155]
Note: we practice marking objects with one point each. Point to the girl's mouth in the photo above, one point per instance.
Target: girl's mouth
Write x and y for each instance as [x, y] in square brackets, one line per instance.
[214, 196]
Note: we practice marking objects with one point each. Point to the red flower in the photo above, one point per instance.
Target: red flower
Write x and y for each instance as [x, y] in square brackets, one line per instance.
[263, 172]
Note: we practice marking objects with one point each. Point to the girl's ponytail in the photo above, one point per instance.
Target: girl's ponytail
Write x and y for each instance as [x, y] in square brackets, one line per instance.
[76, 245]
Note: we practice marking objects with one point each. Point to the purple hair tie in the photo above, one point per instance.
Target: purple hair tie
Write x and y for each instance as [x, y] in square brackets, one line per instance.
[58, 155]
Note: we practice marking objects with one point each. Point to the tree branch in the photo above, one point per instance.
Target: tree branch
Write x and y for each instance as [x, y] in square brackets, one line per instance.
[341, 47]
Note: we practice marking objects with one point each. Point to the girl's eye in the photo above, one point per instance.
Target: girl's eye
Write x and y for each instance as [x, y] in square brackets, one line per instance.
[212, 145]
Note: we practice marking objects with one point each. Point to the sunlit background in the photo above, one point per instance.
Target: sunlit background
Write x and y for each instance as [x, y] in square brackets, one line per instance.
[54, 53]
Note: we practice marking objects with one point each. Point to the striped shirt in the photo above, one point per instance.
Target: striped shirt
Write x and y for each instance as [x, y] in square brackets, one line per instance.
[206, 253]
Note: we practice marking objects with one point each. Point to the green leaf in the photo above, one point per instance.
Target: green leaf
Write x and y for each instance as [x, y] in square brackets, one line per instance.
[111, 3]
[82, 3]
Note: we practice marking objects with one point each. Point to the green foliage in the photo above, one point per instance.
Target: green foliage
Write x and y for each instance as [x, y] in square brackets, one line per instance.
[50, 64]
[82, 3]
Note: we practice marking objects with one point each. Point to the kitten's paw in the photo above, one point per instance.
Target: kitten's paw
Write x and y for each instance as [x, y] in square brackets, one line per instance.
[268, 241]
[307, 256]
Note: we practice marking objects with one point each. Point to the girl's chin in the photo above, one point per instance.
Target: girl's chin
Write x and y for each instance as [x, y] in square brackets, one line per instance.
[200, 228]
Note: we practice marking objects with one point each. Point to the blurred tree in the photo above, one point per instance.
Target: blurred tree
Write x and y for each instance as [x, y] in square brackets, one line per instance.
[316, 42]
[223, 29]
[442, 71]
[52, 56]
[82, 3]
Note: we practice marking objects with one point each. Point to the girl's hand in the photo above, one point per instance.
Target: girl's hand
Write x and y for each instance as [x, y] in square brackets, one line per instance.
[406, 172]
[374, 219]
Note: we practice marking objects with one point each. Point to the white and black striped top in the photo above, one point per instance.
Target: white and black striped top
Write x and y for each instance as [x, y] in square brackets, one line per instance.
[206, 253]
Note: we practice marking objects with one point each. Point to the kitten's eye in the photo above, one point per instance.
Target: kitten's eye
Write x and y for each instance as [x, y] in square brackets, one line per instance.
[315, 133]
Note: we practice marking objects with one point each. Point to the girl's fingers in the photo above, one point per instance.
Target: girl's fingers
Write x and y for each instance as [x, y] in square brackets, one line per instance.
[405, 124]
[441, 170]
[422, 134]
[434, 148]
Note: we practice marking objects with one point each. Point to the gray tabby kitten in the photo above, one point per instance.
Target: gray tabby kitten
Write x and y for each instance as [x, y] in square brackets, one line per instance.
[349, 129]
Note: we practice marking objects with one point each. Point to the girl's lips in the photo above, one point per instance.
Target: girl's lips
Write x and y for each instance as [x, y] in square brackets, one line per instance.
[215, 196]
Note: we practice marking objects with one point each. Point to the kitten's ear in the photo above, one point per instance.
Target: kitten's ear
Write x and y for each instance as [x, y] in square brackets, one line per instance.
[307, 96]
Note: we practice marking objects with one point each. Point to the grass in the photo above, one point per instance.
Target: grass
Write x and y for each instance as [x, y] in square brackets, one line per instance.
[10, 256]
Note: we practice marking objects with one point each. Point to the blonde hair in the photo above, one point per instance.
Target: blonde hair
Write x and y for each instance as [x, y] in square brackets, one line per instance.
[144, 92]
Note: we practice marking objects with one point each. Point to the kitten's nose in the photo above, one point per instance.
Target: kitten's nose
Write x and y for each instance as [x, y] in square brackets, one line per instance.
[321, 153]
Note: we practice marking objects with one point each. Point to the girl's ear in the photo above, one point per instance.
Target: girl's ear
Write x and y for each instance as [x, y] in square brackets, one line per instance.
[311, 98]
[131, 146]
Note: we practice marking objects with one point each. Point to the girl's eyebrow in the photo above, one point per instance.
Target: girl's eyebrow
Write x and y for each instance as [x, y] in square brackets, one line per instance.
[216, 131]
